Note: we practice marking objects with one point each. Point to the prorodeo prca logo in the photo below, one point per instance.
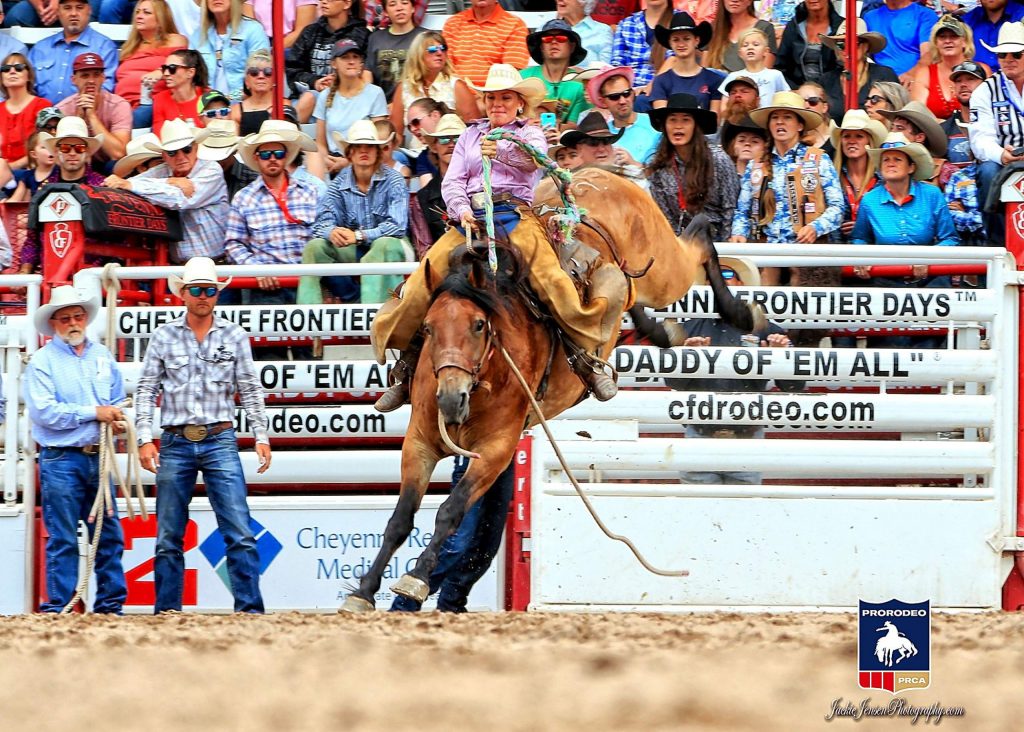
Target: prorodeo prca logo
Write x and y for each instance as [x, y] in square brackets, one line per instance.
[894, 645]
[216, 552]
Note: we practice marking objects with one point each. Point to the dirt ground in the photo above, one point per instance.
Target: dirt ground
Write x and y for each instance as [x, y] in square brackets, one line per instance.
[524, 672]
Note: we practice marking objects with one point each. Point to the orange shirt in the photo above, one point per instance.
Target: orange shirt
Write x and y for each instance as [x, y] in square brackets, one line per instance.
[473, 46]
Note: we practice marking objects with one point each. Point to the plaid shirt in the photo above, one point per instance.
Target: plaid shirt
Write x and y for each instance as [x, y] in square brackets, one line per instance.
[382, 211]
[203, 215]
[963, 187]
[630, 48]
[199, 380]
[258, 232]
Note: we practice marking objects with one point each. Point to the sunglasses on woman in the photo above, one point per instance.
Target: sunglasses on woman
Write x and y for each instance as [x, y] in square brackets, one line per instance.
[253, 72]
[268, 154]
[616, 96]
[173, 68]
[415, 122]
[437, 48]
[198, 290]
[813, 101]
[1016, 55]
[13, 67]
[78, 147]
[215, 113]
[874, 99]
[446, 140]
[729, 274]
[554, 39]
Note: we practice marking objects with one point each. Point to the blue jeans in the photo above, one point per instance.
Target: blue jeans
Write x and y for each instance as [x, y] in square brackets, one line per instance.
[719, 477]
[467, 554]
[995, 223]
[142, 116]
[180, 462]
[69, 482]
[117, 12]
[21, 14]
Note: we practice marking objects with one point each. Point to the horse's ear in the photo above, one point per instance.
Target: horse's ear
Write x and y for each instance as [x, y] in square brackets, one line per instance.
[477, 275]
[428, 275]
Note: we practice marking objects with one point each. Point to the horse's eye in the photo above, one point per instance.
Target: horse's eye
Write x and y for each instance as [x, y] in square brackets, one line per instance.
[478, 326]
[427, 330]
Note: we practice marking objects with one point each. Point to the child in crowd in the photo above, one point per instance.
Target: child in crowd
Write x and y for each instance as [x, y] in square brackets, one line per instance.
[686, 75]
[40, 165]
[391, 156]
[753, 49]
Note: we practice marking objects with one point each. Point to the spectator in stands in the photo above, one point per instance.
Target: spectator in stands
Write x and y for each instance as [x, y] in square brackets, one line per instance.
[741, 98]
[684, 74]
[297, 15]
[816, 99]
[348, 99]
[753, 49]
[139, 156]
[19, 108]
[966, 77]
[378, 19]
[47, 119]
[635, 45]
[613, 12]
[153, 37]
[200, 362]
[852, 140]
[108, 116]
[226, 39]
[965, 204]
[431, 203]
[985, 21]
[689, 177]
[483, 35]
[389, 47]
[743, 141]
[732, 17]
[53, 58]
[71, 386]
[308, 166]
[951, 44]
[26, 13]
[310, 65]
[595, 145]
[802, 56]
[260, 89]
[40, 165]
[424, 116]
[9, 44]
[908, 27]
[363, 219]
[556, 47]
[919, 125]
[868, 73]
[187, 184]
[885, 96]
[612, 90]
[219, 146]
[595, 37]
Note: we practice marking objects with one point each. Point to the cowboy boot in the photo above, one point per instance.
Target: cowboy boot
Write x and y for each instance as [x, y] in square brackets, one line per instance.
[601, 384]
[401, 378]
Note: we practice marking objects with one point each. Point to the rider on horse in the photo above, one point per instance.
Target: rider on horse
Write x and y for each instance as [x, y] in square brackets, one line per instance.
[508, 101]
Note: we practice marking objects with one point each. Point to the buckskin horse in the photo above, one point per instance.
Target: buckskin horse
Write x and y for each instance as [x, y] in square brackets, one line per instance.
[463, 385]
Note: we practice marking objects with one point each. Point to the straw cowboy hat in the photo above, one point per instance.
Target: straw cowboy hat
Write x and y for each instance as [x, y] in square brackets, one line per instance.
[918, 154]
[362, 132]
[176, 134]
[450, 125]
[594, 84]
[936, 140]
[505, 77]
[787, 101]
[73, 128]
[683, 22]
[275, 130]
[858, 119]
[221, 141]
[1011, 39]
[555, 27]
[64, 296]
[136, 152]
[876, 41]
[743, 267]
[593, 127]
[705, 118]
[198, 271]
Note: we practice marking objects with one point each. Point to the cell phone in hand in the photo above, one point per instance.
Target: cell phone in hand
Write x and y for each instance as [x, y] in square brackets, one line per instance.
[1017, 152]
[548, 119]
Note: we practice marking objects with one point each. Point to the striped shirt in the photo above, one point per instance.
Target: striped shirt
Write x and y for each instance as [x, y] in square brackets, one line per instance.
[997, 119]
[631, 47]
[382, 211]
[475, 45]
[62, 390]
[203, 215]
[199, 380]
[259, 233]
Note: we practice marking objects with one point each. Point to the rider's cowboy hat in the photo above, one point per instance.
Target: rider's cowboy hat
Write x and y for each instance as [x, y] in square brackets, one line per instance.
[450, 125]
[788, 101]
[918, 154]
[683, 22]
[362, 132]
[593, 127]
[198, 271]
[64, 296]
[936, 140]
[876, 41]
[279, 131]
[221, 142]
[73, 128]
[858, 119]
[594, 84]
[744, 268]
[176, 134]
[505, 77]
[706, 120]
[1011, 39]
[555, 27]
[136, 152]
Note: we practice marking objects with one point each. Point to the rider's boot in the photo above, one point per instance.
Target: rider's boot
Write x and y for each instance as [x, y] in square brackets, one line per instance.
[401, 378]
[601, 384]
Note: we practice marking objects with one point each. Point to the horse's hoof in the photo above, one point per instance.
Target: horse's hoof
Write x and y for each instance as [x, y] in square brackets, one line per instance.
[355, 604]
[411, 587]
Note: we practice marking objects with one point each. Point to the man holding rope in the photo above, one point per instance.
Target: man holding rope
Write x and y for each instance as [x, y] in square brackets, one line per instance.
[71, 386]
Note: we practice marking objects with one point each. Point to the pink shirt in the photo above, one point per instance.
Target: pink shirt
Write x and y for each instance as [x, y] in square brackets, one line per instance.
[262, 10]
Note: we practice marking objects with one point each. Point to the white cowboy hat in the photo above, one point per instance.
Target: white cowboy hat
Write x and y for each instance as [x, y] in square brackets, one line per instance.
[362, 132]
[198, 271]
[221, 142]
[73, 128]
[1011, 39]
[275, 130]
[505, 77]
[745, 268]
[450, 125]
[918, 154]
[176, 134]
[787, 101]
[136, 152]
[858, 119]
[64, 296]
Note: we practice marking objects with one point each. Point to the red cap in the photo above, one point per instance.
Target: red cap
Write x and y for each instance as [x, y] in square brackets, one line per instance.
[88, 61]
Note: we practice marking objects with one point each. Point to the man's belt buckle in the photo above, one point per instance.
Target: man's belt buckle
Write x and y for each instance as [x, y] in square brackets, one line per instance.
[91, 450]
[724, 434]
[478, 200]
[195, 432]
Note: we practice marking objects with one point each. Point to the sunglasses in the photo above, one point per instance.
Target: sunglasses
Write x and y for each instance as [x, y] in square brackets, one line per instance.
[13, 67]
[78, 147]
[446, 140]
[1016, 55]
[67, 319]
[50, 127]
[595, 142]
[200, 290]
[616, 96]
[268, 154]
[813, 101]
[173, 68]
[437, 48]
[729, 274]
[253, 72]
[874, 99]
[215, 113]
[415, 122]
[187, 150]
[554, 39]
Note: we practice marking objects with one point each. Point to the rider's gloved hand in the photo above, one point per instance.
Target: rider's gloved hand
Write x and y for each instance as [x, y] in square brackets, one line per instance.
[489, 148]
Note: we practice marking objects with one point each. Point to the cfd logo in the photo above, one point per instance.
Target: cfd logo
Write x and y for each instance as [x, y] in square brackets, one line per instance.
[60, 239]
[141, 587]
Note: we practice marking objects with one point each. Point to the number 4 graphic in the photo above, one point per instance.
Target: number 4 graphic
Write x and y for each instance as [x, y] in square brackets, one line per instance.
[142, 591]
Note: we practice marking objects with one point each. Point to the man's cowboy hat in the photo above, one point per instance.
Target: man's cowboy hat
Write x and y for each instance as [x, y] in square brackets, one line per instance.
[73, 128]
[1011, 39]
[594, 84]
[221, 141]
[731, 130]
[198, 271]
[362, 132]
[858, 119]
[787, 101]
[918, 154]
[705, 118]
[936, 140]
[743, 267]
[275, 130]
[504, 77]
[176, 134]
[64, 296]
[450, 125]
[593, 127]
[876, 41]
[555, 27]
[683, 22]
[136, 152]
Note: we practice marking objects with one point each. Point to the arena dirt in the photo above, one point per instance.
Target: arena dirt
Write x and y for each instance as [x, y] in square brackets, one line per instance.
[526, 672]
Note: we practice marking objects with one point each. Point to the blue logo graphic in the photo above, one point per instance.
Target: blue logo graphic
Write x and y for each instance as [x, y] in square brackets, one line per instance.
[894, 645]
[216, 552]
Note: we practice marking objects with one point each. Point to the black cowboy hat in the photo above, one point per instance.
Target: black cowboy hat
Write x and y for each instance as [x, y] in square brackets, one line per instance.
[683, 22]
[555, 27]
[706, 119]
[730, 130]
[594, 127]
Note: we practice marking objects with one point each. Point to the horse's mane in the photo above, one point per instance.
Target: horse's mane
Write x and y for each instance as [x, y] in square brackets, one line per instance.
[470, 278]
